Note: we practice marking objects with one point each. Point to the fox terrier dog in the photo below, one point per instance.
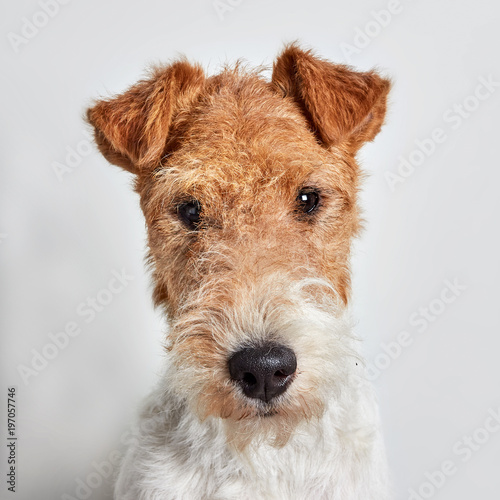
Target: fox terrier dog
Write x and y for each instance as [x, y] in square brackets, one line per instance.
[249, 191]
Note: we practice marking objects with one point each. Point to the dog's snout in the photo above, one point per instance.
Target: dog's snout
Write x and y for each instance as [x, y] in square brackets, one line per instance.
[263, 372]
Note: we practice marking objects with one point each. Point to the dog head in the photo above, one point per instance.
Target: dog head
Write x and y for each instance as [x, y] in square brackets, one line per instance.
[249, 192]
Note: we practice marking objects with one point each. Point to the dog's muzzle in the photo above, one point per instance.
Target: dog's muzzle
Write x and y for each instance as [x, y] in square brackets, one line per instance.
[263, 372]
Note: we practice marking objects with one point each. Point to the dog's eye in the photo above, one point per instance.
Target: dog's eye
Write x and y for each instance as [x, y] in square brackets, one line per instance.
[308, 200]
[189, 213]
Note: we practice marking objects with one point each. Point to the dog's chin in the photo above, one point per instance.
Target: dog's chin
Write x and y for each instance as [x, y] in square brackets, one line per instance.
[244, 414]
[252, 422]
[255, 409]
[253, 412]
[269, 425]
[264, 410]
[267, 413]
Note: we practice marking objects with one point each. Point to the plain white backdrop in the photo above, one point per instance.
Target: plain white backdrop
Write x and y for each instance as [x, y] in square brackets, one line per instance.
[427, 263]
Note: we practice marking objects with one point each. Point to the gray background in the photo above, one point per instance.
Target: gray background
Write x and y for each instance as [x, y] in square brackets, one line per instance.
[62, 238]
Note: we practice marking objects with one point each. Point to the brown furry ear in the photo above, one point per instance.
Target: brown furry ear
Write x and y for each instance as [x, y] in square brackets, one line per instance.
[343, 106]
[131, 129]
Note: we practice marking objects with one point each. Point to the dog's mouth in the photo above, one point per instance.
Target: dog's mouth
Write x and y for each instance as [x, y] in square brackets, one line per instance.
[267, 413]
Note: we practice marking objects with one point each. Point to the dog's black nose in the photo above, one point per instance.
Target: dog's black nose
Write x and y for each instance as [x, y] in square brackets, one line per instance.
[263, 372]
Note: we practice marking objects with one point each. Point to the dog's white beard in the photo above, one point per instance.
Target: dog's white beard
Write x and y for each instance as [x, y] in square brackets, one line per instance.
[304, 315]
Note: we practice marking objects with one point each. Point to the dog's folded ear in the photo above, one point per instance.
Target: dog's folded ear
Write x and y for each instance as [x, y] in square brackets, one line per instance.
[131, 129]
[343, 107]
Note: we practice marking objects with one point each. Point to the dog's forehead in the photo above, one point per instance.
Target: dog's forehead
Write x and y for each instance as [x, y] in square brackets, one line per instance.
[244, 132]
